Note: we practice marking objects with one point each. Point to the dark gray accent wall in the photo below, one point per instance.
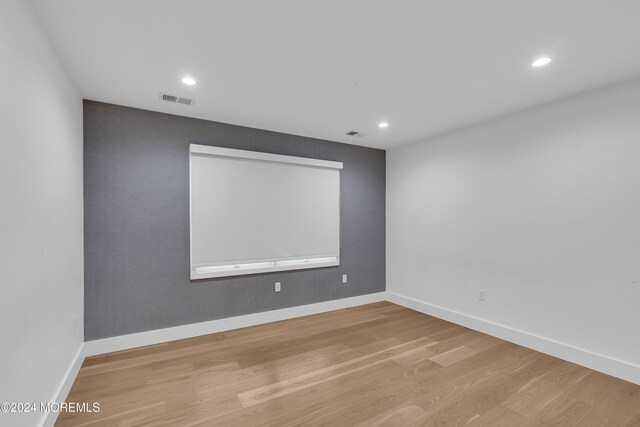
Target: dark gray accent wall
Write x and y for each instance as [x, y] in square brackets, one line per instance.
[136, 205]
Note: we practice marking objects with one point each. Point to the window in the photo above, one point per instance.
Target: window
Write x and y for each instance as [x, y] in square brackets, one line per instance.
[255, 212]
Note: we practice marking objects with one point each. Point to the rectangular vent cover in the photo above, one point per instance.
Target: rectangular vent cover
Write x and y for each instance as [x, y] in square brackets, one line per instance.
[176, 99]
[356, 134]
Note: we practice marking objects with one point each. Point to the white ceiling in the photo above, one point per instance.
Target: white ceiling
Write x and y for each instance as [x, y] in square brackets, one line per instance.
[322, 68]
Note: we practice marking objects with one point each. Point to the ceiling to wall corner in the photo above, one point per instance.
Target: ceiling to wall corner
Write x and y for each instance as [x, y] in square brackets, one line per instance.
[324, 68]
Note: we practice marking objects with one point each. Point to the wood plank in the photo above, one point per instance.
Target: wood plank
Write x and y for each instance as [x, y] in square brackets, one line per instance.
[378, 364]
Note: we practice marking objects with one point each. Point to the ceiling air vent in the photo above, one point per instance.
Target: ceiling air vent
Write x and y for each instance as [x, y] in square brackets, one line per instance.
[176, 99]
[356, 134]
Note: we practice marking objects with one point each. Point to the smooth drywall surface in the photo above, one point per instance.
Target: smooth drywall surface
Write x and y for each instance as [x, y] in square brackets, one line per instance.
[539, 208]
[40, 215]
[137, 224]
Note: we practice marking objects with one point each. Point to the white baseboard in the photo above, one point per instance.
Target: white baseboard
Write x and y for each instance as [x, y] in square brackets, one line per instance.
[141, 339]
[608, 365]
[49, 418]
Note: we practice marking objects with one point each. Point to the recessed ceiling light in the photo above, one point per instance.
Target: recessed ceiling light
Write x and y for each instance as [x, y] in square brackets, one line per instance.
[383, 124]
[540, 62]
[188, 81]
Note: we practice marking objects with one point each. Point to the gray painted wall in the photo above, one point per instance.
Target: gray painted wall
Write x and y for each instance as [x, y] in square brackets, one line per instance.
[136, 195]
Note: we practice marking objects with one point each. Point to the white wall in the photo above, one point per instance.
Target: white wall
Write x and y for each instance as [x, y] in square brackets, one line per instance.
[41, 214]
[541, 208]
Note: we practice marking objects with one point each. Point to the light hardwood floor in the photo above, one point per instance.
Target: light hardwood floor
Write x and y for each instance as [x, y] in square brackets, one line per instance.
[378, 364]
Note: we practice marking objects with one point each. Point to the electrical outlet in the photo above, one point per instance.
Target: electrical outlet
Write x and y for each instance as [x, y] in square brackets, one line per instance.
[344, 278]
[482, 294]
[277, 287]
[75, 323]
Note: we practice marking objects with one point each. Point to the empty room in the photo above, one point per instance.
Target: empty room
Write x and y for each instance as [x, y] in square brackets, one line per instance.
[304, 212]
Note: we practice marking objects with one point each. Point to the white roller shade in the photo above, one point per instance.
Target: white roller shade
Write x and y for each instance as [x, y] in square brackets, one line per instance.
[255, 212]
